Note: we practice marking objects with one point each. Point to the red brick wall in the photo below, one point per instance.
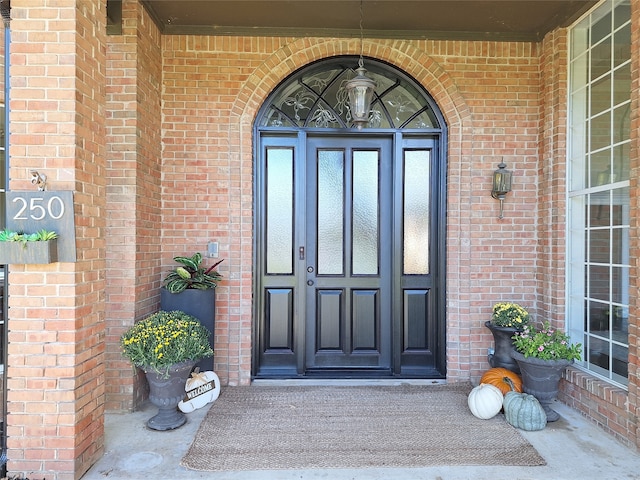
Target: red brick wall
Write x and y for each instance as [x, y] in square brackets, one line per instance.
[179, 175]
[551, 174]
[55, 420]
[502, 101]
[489, 93]
[133, 193]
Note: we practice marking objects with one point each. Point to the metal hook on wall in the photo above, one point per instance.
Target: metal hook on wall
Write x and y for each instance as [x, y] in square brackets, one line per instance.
[39, 179]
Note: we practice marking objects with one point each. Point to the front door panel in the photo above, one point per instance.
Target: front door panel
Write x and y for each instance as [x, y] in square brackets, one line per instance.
[348, 275]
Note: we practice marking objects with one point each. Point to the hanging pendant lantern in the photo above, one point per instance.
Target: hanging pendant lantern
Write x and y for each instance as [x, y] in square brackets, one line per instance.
[360, 88]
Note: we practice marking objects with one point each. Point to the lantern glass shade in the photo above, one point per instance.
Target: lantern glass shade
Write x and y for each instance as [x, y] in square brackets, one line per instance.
[360, 90]
[501, 182]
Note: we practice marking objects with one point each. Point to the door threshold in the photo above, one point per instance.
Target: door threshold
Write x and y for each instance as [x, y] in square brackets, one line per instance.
[346, 382]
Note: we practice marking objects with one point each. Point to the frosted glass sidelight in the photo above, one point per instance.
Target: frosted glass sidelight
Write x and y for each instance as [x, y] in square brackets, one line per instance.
[416, 212]
[279, 210]
[365, 213]
[330, 212]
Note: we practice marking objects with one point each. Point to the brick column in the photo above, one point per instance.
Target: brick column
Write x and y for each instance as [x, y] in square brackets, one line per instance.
[56, 312]
[134, 273]
[551, 173]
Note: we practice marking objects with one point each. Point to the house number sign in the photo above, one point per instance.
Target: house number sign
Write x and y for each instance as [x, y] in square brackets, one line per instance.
[30, 212]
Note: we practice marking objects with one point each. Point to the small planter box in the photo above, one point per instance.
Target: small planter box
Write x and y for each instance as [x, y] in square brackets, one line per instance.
[29, 252]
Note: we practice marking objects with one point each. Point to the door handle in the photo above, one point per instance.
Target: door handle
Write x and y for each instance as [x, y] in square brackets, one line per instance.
[301, 253]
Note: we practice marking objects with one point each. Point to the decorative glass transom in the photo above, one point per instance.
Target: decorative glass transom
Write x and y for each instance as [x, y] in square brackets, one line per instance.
[315, 97]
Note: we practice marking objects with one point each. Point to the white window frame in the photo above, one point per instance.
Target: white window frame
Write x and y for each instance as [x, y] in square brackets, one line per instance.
[585, 194]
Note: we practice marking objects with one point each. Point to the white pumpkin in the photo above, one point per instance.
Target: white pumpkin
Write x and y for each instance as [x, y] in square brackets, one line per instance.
[485, 401]
[201, 388]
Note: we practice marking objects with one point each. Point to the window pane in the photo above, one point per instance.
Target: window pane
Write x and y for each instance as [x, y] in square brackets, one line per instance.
[601, 24]
[620, 361]
[598, 353]
[620, 284]
[598, 283]
[601, 59]
[622, 84]
[601, 95]
[598, 317]
[620, 209]
[621, 123]
[621, 162]
[365, 213]
[401, 103]
[279, 206]
[416, 212]
[621, 14]
[599, 245]
[598, 210]
[600, 168]
[330, 212]
[622, 45]
[619, 245]
[600, 135]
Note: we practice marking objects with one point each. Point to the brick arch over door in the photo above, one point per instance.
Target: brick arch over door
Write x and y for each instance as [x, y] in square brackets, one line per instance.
[420, 66]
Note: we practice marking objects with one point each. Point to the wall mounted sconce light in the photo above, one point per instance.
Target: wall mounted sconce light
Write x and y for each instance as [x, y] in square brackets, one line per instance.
[501, 185]
[360, 89]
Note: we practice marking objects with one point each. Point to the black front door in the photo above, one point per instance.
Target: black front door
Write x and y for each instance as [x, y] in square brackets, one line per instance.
[349, 228]
[348, 255]
[348, 259]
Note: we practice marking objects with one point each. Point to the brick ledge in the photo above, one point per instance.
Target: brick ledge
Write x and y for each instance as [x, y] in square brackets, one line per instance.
[604, 404]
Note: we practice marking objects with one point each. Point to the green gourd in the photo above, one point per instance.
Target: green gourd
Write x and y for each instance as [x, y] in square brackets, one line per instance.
[524, 411]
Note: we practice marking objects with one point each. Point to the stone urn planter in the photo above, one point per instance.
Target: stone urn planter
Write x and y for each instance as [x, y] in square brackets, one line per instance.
[165, 392]
[166, 346]
[541, 378]
[503, 346]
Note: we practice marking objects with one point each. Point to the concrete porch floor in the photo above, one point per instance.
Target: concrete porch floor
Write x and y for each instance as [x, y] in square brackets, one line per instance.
[573, 447]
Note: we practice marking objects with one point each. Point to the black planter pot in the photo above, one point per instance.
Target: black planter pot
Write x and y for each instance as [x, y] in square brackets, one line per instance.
[503, 346]
[198, 303]
[541, 378]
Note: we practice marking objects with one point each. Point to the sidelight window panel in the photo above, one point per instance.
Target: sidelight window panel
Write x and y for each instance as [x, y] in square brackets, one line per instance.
[416, 212]
[279, 205]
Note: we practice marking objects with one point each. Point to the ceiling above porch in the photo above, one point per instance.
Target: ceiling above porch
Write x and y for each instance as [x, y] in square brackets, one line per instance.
[517, 20]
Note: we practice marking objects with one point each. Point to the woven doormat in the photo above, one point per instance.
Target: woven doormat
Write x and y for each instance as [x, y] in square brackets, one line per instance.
[309, 427]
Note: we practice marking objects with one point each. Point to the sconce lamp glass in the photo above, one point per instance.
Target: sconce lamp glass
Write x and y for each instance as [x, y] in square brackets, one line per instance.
[360, 90]
[501, 184]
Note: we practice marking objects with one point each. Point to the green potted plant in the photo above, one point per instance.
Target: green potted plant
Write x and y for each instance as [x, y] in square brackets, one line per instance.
[190, 287]
[192, 275]
[542, 355]
[166, 346]
[28, 248]
[507, 318]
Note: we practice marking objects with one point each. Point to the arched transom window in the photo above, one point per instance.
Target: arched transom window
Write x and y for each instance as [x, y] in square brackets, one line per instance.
[315, 97]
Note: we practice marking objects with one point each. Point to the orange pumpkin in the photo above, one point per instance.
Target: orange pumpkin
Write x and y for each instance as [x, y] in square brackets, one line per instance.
[504, 379]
